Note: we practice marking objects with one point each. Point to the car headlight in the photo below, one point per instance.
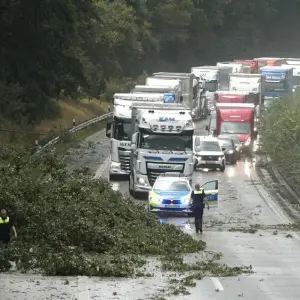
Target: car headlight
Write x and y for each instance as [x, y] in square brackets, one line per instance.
[155, 199]
[186, 200]
[247, 143]
[220, 157]
[230, 152]
[141, 181]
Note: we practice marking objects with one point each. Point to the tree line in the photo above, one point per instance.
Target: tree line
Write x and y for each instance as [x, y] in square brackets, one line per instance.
[61, 48]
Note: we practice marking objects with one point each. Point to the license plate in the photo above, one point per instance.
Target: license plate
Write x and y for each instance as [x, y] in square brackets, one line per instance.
[172, 206]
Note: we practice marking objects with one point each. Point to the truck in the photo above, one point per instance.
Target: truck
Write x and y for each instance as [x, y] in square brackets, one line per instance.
[162, 141]
[187, 85]
[270, 61]
[119, 130]
[237, 118]
[192, 94]
[211, 78]
[293, 61]
[296, 74]
[172, 94]
[159, 82]
[236, 67]
[254, 84]
[278, 81]
[232, 97]
[253, 64]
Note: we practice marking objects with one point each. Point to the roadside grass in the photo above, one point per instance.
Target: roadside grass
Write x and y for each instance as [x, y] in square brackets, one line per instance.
[81, 110]
[72, 140]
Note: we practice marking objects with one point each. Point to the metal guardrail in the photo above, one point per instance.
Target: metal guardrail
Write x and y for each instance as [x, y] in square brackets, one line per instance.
[75, 129]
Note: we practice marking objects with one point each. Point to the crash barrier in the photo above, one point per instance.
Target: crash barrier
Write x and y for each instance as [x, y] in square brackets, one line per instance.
[75, 129]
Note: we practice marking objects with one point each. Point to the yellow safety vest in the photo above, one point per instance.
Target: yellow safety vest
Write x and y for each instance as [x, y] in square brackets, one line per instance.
[198, 192]
[6, 221]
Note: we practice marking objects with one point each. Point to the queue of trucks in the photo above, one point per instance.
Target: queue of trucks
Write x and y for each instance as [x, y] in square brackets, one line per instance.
[152, 127]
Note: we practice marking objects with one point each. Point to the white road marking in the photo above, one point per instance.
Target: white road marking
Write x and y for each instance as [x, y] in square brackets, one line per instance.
[83, 292]
[102, 168]
[217, 284]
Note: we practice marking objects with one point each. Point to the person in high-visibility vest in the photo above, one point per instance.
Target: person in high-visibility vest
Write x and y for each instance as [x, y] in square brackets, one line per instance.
[6, 227]
[198, 204]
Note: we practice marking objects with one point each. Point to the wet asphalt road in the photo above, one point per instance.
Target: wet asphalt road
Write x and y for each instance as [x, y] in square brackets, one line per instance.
[242, 201]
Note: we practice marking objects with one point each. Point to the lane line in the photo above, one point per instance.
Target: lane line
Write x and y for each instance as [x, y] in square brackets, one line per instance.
[83, 292]
[217, 284]
[102, 168]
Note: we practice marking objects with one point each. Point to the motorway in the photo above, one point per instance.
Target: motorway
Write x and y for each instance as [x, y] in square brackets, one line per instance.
[242, 201]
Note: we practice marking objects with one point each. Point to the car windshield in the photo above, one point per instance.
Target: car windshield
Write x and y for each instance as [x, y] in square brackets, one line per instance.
[235, 127]
[275, 86]
[233, 137]
[209, 146]
[225, 143]
[172, 142]
[171, 185]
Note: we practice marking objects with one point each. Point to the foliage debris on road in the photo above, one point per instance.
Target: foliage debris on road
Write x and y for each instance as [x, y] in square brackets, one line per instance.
[69, 224]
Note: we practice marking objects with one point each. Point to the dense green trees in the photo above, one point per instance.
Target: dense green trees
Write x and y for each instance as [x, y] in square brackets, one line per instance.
[51, 48]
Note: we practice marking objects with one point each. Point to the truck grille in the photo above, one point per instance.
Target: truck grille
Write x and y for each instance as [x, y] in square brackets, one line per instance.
[124, 156]
[153, 174]
[210, 158]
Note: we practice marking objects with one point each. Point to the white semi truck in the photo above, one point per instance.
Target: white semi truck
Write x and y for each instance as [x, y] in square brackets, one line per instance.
[190, 91]
[119, 130]
[254, 84]
[162, 141]
[211, 78]
[172, 94]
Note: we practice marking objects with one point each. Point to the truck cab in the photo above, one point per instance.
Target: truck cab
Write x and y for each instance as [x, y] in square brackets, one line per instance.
[278, 81]
[119, 130]
[236, 67]
[296, 74]
[162, 141]
[237, 118]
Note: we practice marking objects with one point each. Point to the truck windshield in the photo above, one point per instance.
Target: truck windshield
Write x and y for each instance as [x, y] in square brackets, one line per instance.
[211, 86]
[235, 127]
[122, 129]
[275, 86]
[173, 142]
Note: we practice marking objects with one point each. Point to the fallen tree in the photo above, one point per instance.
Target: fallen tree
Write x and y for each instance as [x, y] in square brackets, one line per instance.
[69, 224]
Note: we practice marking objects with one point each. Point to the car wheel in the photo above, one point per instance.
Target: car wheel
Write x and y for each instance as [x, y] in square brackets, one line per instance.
[222, 168]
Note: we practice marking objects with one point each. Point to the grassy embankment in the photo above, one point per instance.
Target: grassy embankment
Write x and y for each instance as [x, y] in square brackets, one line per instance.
[81, 111]
[281, 137]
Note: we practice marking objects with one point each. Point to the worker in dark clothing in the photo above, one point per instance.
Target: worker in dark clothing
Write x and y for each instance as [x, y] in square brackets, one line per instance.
[6, 227]
[198, 204]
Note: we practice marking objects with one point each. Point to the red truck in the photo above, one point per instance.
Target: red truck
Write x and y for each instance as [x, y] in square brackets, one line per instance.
[231, 97]
[250, 62]
[237, 118]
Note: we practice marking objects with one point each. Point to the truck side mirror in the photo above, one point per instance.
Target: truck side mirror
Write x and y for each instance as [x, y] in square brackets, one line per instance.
[207, 128]
[108, 129]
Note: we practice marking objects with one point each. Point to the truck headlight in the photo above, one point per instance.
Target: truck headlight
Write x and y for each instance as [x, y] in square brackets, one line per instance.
[141, 181]
[247, 143]
[115, 165]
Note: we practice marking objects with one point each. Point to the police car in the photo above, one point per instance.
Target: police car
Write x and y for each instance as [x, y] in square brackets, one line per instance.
[171, 192]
